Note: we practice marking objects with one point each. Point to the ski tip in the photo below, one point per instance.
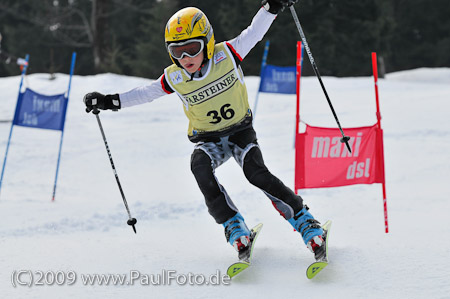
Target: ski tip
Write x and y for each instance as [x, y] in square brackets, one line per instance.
[257, 227]
[327, 224]
[237, 268]
[315, 268]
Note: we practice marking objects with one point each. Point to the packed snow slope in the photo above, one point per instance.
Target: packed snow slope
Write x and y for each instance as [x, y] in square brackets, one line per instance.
[84, 230]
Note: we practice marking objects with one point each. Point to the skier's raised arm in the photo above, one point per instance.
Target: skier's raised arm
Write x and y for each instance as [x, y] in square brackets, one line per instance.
[248, 38]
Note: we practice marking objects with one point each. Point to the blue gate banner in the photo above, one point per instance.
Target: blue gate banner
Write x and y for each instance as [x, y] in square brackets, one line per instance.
[278, 79]
[40, 111]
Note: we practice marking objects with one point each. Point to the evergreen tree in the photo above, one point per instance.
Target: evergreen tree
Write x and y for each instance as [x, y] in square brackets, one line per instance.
[127, 36]
[150, 54]
[421, 35]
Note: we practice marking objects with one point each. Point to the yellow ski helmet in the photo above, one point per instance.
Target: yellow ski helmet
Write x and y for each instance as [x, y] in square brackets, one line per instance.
[189, 23]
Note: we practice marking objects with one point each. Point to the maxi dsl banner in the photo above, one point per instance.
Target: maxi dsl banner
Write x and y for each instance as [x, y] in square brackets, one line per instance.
[323, 161]
[40, 111]
[278, 79]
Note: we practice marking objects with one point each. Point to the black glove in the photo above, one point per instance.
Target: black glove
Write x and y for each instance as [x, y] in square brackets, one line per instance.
[96, 100]
[277, 6]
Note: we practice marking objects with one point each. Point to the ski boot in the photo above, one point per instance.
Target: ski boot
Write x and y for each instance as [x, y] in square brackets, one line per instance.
[237, 233]
[311, 231]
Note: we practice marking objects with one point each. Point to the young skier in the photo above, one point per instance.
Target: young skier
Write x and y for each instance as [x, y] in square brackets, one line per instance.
[208, 79]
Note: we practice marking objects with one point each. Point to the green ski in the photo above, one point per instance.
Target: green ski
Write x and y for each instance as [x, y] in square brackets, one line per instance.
[245, 261]
[318, 266]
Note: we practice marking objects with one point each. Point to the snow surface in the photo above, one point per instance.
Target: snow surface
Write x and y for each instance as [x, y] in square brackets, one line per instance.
[85, 229]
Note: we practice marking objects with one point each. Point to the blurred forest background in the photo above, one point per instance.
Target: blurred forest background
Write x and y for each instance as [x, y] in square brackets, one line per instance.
[127, 36]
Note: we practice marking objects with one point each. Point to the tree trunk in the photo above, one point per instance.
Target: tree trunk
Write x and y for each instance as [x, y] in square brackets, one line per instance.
[99, 31]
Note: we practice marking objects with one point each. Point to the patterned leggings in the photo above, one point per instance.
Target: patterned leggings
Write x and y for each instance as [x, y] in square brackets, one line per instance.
[243, 146]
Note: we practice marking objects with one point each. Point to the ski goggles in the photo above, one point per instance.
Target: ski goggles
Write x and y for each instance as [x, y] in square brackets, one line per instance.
[190, 48]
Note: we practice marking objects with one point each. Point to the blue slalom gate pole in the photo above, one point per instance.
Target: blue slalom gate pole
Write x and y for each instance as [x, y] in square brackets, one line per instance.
[263, 66]
[72, 67]
[24, 71]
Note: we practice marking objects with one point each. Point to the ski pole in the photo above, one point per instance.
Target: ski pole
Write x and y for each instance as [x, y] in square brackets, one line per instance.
[316, 71]
[131, 221]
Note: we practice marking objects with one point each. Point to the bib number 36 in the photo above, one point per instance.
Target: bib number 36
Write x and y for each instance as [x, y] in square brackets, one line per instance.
[225, 113]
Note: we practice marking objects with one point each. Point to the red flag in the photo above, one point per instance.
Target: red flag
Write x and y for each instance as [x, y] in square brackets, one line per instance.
[323, 161]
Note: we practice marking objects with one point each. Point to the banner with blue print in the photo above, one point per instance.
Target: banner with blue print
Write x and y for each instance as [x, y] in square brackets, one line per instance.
[278, 79]
[40, 111]
[35, 110]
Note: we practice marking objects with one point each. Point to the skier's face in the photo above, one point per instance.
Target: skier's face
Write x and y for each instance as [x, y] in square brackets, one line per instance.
[191, 64]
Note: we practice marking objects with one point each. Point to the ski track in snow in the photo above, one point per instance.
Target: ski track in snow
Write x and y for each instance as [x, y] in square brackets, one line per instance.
[85, 229]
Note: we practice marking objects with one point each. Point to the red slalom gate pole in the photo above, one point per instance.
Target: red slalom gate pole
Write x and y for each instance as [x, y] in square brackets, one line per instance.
[375, 77]
[299, 63]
